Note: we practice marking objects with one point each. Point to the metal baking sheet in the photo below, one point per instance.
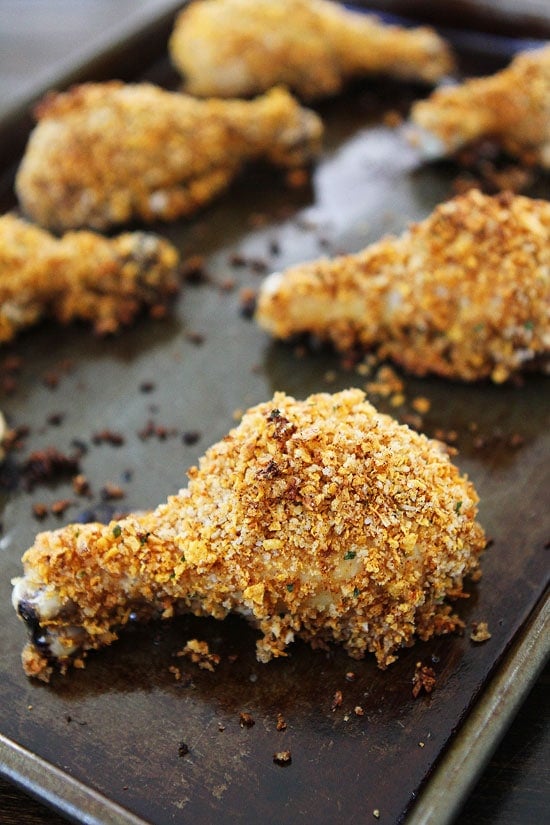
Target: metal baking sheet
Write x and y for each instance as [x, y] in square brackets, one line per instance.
[105, 745]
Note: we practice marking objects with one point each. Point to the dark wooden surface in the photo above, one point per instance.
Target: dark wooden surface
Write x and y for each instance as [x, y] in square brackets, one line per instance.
[514, 789]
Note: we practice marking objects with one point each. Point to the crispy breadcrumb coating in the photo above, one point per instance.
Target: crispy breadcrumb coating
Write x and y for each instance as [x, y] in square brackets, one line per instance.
[312, 46]
[105, 153]
[81, 276]
[512, 107]
[321, 519]
[464, 294]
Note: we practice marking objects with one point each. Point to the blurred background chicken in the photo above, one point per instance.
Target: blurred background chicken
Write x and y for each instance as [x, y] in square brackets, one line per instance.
[81, 276]
[464, 294]
[106, 153]
[511, 107]
[238, 48]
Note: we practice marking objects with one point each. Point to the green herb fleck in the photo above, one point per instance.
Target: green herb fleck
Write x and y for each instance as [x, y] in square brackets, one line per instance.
[458, 507]
[182, 557]
[350, 555]
[117, 530]
[356, 591]
[290, 587]
[530, 325]
[143, 538]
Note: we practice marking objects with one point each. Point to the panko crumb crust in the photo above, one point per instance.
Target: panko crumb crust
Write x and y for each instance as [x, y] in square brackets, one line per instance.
[321, 519]
[464, 294]
[81, 276]
[103, 154]
[511, 106]
[311, 46]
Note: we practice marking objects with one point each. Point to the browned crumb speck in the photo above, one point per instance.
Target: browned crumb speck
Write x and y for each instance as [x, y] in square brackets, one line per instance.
[282, 758]
[423, 679]
[464, 294]
[322, 519]
[246, 720]
[281, 722]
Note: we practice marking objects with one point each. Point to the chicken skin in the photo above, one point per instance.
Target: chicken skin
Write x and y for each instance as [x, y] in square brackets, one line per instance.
[107, 153]
[80, 277]
[238, 48]
[464, 294]
[511, 107]
[321, 519]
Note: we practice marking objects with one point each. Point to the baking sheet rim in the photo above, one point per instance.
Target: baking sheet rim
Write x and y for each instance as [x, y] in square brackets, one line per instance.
[461, 765]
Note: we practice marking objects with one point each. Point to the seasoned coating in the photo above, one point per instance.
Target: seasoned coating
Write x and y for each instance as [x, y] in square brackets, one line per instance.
[237, 48]
[464, 294]
[322, 519]
[511, 107]
[106, 153]
[81, 276]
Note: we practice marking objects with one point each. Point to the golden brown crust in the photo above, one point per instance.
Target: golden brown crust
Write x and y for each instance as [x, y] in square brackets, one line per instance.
[512, 106]
[311, 46]
[105, 153]
[81, 276]
[322, 519]
[464, 294]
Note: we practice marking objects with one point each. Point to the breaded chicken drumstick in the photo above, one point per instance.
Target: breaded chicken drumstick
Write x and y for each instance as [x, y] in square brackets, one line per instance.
[235, 48]
[465, 294]
[81, 276]
[321, 519]
[511, 107]
[106, 153]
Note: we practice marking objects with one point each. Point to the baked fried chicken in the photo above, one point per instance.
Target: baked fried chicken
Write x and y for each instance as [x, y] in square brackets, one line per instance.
[81, 276]
[320, 519]
[511, 107]
[106, 153]
[237, 48]
[464, 294]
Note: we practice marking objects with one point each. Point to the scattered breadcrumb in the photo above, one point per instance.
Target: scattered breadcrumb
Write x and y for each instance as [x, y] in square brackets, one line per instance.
[423, 680]
[282, 758]
[81, 485]
[246, 720]
[281, 722]
[421, 404]
[480, 632]
[176, 672]
[336, 700]
[199, 653]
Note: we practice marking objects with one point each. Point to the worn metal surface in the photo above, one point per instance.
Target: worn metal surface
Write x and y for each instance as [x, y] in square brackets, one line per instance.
[115, 729]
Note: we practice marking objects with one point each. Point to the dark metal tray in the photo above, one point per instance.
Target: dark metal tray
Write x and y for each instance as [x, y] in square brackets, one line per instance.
[103, 745]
